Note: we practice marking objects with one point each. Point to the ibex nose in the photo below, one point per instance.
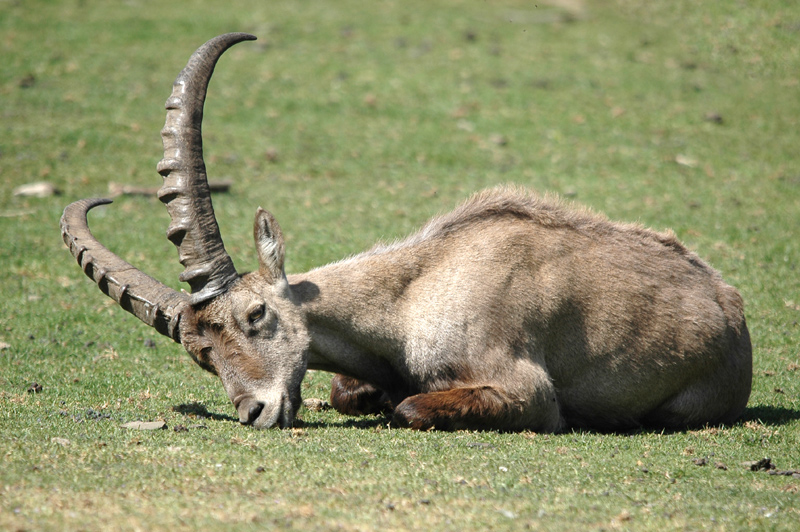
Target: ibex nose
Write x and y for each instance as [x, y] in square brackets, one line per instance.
[254, 412]
[249, 410]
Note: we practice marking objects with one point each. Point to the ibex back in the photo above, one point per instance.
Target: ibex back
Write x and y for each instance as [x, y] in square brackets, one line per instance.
[512, 312]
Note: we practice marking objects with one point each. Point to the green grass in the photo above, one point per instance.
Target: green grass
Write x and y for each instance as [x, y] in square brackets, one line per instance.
[354, 122]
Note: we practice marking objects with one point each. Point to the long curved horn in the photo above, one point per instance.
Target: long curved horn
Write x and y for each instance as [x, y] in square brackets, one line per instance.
[146, 298]
[194, 230]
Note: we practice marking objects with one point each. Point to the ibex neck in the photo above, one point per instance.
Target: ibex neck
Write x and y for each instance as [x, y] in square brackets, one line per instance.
[355, 315]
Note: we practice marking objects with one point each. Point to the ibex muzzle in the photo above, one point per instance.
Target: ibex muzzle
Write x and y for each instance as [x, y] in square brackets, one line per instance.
[512, 312]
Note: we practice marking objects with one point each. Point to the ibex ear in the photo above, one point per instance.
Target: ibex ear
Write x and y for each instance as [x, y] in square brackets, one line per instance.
[269, 245]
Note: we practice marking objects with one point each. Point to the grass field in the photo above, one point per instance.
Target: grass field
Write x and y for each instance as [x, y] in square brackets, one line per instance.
[355, 122]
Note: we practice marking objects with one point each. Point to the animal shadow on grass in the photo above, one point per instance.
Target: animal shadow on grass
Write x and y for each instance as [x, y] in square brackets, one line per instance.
[367, 422]
[770, 415]
[765, 414]
[199, 410]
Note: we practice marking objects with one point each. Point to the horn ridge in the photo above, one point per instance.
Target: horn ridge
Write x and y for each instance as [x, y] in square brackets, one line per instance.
[185, 192]
[146, 298]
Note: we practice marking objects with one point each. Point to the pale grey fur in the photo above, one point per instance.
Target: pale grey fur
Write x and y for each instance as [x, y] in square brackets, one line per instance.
[583, 321]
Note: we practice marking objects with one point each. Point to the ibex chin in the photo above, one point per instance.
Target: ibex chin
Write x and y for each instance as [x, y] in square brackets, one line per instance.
[513, 312]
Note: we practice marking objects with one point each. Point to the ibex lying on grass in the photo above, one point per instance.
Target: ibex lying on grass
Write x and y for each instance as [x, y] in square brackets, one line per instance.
[512, 312]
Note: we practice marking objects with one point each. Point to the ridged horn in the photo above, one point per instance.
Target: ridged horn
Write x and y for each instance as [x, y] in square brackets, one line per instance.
[194, 230]
[146, 298]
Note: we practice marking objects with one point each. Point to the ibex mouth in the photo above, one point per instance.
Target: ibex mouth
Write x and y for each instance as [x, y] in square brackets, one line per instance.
[265, 414]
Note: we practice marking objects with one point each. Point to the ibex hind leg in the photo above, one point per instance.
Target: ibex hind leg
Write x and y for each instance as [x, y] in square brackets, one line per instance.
[478, 408]
[716, 397]
[353, 397]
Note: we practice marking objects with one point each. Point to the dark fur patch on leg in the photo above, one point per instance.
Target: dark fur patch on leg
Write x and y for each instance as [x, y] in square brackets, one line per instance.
[353, 397]
[483, 408]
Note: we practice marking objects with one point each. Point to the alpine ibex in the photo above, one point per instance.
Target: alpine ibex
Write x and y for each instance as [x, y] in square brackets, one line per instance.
[512, 312]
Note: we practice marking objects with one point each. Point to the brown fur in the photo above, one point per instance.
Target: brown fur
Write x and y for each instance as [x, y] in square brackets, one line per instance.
[356, 398]
[460, 408]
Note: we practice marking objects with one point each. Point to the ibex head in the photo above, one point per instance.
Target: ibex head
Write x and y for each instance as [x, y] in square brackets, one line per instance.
[246, 329]
[253, 336]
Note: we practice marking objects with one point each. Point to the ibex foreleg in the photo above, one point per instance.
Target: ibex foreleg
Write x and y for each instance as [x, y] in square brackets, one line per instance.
[353, 397]
[482, 407]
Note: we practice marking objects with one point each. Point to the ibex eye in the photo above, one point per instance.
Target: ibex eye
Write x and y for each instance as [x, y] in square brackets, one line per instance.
[256, 314]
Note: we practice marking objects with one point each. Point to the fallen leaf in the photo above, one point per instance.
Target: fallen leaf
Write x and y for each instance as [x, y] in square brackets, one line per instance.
[41, 189]
[498, 139]
[27, 81]
[316, 405]
[765, 464]
[144, 425]
[465, 125]
[508, 514]
[623, 516]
